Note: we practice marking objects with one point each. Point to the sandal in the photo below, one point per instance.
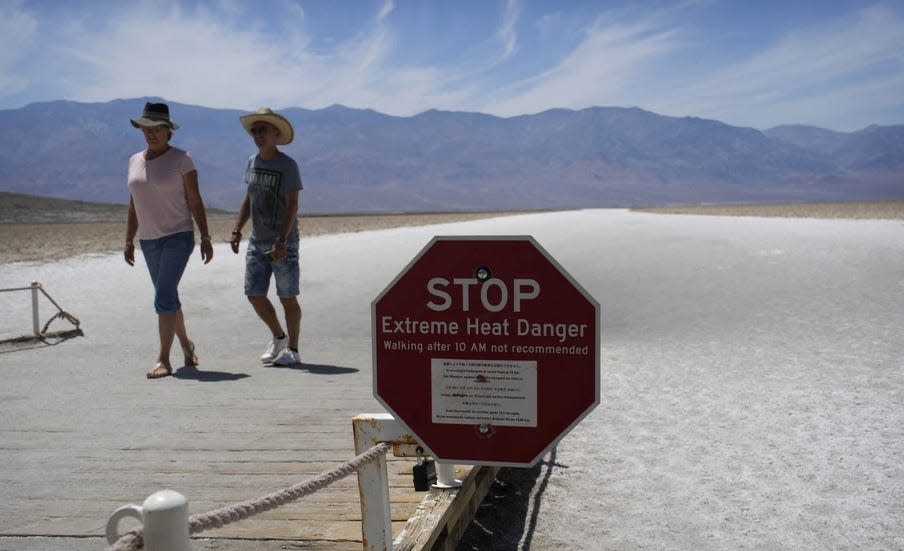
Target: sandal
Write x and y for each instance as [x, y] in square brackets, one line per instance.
[191, 359]
[160, 370]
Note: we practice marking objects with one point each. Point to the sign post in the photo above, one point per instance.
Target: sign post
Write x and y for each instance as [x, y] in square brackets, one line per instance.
[486, 350]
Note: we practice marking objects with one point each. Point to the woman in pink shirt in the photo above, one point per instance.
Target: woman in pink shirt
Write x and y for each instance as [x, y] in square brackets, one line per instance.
[163, 185]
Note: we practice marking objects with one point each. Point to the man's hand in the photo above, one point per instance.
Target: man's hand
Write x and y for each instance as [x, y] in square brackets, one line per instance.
[129, 253]
[278, 251]
[235, 240]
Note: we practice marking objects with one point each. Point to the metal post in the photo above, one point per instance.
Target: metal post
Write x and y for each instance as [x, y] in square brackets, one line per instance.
[35, 323]
[373, 479]
[445, 476]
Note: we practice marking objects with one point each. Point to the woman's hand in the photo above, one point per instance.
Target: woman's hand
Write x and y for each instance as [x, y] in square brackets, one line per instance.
[206, 250]
[128, 253]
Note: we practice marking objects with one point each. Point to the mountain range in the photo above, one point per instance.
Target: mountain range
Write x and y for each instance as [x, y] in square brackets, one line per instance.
[355, 160]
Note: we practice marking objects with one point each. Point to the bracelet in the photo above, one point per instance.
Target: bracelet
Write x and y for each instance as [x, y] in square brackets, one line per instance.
[236, 232]
[205, 238]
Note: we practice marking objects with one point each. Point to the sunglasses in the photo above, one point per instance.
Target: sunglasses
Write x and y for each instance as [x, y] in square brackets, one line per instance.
[262, 130]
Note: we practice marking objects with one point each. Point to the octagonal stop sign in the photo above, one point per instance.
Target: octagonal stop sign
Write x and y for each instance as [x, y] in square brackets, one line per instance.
[486, 350]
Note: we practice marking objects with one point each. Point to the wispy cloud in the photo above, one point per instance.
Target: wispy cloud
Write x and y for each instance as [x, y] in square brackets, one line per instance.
[385, 10]
[811, 75]
[602, 67]
[822, 74]
[18, 30]
[507, 32]
[220, 57]
[519, 59]
[197, 57]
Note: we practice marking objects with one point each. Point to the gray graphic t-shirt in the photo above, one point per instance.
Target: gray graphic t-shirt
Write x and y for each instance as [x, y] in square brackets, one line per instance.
[268, 183]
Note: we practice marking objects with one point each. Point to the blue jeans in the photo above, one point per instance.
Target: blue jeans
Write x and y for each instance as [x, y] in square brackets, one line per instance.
[258, 270]
[166, 258]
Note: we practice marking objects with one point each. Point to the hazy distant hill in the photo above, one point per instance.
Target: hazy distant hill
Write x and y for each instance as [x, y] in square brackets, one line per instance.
[873, 149]
[16, 207]
[361, 160]
[19, 207]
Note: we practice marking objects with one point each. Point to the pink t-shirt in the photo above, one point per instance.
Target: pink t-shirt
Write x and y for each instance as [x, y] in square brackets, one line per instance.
[159, 193]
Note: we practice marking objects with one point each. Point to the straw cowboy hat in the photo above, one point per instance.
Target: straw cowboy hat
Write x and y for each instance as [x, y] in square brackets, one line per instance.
[155, 114]
[265, 114]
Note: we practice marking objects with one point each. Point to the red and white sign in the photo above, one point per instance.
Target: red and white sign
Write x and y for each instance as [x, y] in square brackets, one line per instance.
[486, 350]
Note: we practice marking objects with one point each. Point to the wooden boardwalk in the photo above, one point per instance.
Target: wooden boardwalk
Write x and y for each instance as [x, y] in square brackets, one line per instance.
[82, 432]
[62, 481]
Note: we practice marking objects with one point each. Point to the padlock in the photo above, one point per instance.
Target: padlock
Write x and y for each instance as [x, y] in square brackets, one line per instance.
[424, 472]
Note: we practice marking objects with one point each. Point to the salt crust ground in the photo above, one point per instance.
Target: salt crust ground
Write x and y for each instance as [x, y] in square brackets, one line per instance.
[752, 380]
[753, 394]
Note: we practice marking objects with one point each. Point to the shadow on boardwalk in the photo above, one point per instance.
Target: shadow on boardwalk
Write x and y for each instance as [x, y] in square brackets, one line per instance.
[193, 373]
[29, 342]
[319, 369]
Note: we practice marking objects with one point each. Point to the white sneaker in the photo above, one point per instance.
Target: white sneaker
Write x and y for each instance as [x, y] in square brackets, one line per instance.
[276, 346]
[287, 357]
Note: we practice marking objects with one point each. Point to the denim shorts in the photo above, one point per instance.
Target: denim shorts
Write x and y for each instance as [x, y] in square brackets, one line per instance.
[258, 270]
[166, 258]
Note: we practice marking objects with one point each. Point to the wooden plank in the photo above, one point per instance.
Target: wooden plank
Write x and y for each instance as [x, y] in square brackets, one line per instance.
[443, 515]
[449, 537]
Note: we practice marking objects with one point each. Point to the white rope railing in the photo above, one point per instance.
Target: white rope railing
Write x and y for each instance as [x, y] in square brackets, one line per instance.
[232, 513]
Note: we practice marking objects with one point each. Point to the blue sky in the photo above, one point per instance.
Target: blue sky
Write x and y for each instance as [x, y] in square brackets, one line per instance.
[759, 63]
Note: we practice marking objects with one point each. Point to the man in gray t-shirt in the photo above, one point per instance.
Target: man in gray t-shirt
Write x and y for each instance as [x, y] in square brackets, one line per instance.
[268, 183]
[271, 202]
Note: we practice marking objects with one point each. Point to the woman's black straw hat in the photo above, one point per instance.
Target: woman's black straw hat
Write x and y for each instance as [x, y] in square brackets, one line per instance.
[155, 114]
